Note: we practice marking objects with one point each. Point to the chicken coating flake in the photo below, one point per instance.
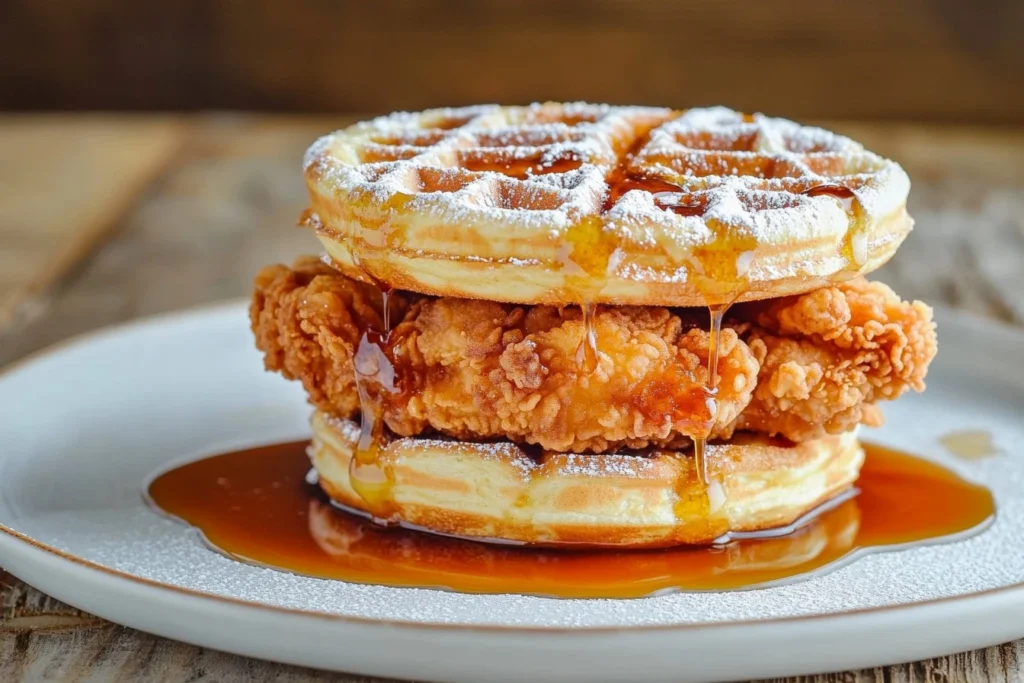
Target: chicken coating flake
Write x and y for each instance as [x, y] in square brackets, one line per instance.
[798, 367]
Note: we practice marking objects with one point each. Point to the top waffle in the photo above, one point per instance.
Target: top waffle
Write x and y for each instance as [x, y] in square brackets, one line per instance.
[557, 203]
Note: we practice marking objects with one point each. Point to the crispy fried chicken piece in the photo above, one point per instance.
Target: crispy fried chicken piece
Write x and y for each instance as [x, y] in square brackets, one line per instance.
[827, 356]
[308, 321]
[479, 369]
[485, 369]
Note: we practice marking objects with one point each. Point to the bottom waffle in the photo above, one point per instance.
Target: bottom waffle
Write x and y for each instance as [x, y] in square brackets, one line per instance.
[500, 492]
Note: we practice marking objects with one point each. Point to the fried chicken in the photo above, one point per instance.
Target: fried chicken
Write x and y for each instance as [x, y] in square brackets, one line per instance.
[308, 320]
[484, 369]
[478, 369]
[827, 356]
[799, 367]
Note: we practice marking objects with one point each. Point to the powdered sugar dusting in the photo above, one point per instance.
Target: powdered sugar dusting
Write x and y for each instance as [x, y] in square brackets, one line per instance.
[503, 452]
[715, 151]
[525, 465]
[547, 167]
[605, 464]
[484, 163]
[742, 166]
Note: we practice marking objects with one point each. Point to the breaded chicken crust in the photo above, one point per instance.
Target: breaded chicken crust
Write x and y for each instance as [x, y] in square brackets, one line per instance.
[827, 356]
[484, 369]
[479, 369]
[798, 367]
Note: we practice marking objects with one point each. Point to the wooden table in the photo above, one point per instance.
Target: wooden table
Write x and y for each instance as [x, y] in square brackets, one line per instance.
[104, 219]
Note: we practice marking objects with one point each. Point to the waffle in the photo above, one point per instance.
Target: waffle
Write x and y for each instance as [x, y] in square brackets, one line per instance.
[363, 549]
[572, 203]
[499, 491]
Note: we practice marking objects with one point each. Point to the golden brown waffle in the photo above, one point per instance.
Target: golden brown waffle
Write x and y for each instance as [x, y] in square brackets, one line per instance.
[366, 553]
[498, 491]
[560, 203]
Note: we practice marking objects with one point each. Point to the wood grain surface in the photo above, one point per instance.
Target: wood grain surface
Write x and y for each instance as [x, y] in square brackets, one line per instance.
[914, 59]
[221, 200]
[64, 180]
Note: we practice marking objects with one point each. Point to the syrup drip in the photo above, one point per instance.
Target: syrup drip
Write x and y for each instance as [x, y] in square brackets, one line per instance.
[375, 377]
[586, 353]
[590, 255]
[720, 272]
[855, 246]
[711, 390]
[385, 307]
[255, 506]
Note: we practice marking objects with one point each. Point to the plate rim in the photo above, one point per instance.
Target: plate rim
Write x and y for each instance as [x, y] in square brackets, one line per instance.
[944, 315]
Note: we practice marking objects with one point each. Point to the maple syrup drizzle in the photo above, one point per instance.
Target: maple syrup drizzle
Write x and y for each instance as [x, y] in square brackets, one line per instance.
[375, 377]
[385, 307]
[670, 196]
[523, 168]
[589, 255]
[586, 353]
[722, 276]
[255, 506]
[717, 313]
[844, 194]
[670, 201]
[855, 244]
[620, 182]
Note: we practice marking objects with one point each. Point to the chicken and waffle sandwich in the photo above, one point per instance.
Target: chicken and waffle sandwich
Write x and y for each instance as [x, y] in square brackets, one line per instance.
[597, 325]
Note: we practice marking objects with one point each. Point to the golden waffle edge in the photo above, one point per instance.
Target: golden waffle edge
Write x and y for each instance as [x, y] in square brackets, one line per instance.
[499, 491]
[563, 203]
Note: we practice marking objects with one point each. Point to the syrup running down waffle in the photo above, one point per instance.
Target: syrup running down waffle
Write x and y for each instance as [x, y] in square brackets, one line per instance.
[578, 203]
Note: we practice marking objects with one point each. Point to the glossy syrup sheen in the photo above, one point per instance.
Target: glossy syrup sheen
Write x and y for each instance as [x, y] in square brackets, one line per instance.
[256, 506]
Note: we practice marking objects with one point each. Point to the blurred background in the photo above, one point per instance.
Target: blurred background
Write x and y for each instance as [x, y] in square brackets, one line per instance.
[149, 152]
[921, 60]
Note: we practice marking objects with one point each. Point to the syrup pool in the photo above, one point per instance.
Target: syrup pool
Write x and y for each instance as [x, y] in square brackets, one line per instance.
[256, 506]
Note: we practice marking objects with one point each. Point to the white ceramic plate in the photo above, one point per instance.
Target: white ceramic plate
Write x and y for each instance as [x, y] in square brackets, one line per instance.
[83, 425]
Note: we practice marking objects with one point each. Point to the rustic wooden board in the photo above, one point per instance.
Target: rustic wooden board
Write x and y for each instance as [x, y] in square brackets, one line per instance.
[227, 204]
[44, 639]
[63, 182]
